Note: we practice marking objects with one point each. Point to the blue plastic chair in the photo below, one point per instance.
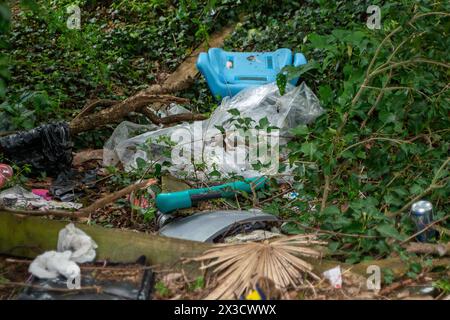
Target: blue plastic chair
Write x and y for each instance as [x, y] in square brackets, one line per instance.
[227, 73]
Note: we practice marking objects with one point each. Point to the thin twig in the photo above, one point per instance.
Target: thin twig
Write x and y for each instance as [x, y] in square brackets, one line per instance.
[334, 233]
[373, 139]
[46, 288]
[326, 189]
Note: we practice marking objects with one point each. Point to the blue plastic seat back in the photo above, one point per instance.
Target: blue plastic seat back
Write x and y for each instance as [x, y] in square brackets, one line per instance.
[227, 73]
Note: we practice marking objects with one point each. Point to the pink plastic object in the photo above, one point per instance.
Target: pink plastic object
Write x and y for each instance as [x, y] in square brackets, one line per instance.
[2, 180]
[6, 172]
[43, 193]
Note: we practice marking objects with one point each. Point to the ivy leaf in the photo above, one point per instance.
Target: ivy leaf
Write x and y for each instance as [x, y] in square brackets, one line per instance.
[387, 230]
[325, 94]
[300, 130]
[292, 72]
[309, 149]
[263, 123]
[281, 82]
[234, 112]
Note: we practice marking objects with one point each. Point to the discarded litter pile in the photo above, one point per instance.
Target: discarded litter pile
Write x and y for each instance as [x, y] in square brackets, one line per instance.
[38, 199]
[213, 141]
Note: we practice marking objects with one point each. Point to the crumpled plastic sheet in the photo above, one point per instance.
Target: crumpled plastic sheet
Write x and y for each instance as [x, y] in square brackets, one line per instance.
[299, 105]
[51, 264]
[48, 148]
[127, 129]
[72, 184]
[78, 242]
[19, 198]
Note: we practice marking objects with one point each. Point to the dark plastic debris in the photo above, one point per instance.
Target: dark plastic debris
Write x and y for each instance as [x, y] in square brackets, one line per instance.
[47, 148]
[70, 184]
[115, 282]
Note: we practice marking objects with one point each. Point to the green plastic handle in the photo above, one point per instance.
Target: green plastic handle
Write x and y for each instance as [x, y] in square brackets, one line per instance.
[167, 202]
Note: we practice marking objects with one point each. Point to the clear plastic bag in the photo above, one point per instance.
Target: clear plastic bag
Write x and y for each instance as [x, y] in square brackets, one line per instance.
[298, 105]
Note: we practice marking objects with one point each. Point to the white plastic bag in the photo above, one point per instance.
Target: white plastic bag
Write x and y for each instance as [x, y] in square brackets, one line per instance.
[51, 264]
[79, 243]
[334, 276]
[212, 142]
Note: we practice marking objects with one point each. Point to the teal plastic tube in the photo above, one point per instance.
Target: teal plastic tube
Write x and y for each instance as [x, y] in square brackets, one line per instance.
[171, 201]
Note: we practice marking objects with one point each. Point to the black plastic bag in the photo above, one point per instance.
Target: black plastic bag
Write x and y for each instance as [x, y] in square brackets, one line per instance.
[47, 148]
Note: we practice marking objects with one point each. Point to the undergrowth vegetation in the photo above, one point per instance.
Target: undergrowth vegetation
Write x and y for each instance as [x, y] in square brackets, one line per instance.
[382, 142]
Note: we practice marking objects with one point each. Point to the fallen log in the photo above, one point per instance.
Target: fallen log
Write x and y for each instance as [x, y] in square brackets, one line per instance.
[26, 236]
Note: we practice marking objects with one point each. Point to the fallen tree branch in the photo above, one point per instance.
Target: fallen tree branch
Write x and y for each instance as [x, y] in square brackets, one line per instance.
[92, 105]
[40, 213]
[27, 237]
[326, 189]
[116, 195]
[334, 233]
[118, 111]
[440, 249]
[397, 285]
[172, 118]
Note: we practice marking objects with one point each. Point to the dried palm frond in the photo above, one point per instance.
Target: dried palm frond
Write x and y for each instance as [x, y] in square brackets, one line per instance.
[239, 266]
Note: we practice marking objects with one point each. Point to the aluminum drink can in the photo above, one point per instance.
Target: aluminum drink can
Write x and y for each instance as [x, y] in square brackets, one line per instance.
[422, 215]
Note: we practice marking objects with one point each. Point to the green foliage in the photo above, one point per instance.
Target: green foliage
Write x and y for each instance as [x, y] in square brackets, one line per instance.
[443, 285]
[199, 283]
[378, 151]
[23, 113]
[121, 47]
[5, 17]
[373, 152]
[162, 289]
